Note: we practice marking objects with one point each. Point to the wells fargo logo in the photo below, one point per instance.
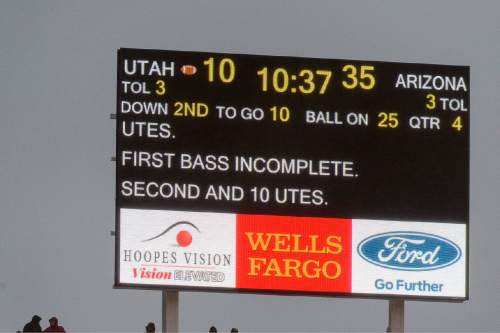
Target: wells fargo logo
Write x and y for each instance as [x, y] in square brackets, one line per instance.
[293, 253]
[293, 244]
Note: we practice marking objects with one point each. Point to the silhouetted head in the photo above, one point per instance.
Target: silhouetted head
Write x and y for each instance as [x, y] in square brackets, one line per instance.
[234, 330]
[212, 329]
[150, 327]
[36, 319]
[53, 322]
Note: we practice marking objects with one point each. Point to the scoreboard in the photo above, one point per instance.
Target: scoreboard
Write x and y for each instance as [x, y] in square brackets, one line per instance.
[272, 174]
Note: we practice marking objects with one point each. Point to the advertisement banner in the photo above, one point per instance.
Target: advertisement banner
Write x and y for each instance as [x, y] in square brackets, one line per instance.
[294, 254]
[177, 248]
[409, 258]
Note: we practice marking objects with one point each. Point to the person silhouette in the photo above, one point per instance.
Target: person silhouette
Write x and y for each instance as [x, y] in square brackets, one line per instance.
[234, 330]
[212, 329]
[33, 325]
[150, 327]
[54, 326]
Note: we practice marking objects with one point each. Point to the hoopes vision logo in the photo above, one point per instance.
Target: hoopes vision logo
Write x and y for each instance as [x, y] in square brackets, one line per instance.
[409, 251]
[184, 237]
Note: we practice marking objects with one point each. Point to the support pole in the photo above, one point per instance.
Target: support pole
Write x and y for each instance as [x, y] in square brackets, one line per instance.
[170, 311]
[396, 315]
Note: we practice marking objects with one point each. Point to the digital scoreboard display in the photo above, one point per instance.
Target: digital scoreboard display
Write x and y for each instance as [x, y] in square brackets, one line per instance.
[272, 174]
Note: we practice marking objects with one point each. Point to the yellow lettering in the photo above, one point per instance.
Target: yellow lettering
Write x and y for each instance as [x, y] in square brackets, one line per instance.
[292, 265]
[273, 267]
[280, 242]
[314, 245]
[316, 269]
[334, 244]
[259, 242]
[161, 89]
[338, 270]
[255, 265]
[296, 244]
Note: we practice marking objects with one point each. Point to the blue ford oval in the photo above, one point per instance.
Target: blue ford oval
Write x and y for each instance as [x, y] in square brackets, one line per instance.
[409, 251]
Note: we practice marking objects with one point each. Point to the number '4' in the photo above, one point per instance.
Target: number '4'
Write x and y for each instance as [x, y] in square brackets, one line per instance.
[457, 123]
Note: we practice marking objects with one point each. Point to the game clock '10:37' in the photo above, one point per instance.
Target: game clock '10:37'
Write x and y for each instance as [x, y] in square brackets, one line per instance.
[304, 81]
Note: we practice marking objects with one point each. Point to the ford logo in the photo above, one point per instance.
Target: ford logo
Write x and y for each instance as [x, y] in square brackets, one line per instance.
[409, 251]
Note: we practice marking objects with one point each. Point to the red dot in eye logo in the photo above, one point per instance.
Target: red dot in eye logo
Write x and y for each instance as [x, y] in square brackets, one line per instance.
[184, 238]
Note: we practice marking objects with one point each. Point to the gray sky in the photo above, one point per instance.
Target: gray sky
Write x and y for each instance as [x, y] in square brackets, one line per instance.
[57, 89]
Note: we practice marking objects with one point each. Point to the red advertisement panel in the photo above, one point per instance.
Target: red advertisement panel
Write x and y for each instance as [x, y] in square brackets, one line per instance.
[293, 253]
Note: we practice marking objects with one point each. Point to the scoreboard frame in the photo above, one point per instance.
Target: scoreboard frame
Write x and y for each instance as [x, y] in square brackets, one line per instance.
[118, 207]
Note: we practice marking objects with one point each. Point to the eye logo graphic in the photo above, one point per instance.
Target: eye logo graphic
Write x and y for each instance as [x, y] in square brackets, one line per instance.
[184, 238]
